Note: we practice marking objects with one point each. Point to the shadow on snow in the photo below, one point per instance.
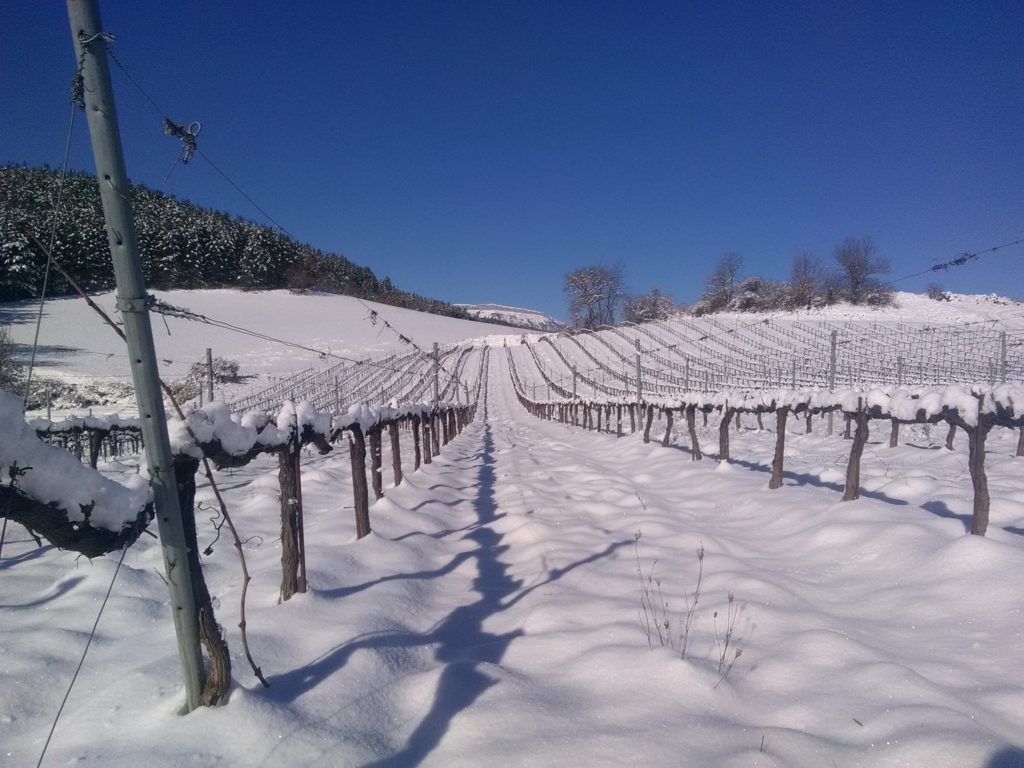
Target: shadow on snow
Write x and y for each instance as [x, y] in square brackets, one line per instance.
[463, 647]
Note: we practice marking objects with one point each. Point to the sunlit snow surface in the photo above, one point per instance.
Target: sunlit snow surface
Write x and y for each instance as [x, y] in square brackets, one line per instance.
[492, 618]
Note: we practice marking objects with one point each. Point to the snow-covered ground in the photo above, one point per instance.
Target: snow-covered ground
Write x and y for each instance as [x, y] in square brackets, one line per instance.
[76, 345]
[494, 616]
[918, 308]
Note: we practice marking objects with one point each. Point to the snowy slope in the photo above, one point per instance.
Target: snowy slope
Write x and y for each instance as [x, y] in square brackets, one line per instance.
[493, 618]
[75, 344]
[522, 318]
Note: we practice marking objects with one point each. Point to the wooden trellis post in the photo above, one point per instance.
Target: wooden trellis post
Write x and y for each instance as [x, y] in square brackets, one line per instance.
[860, 439]
[396, 452]
[375, 463]
[781, 414]
[427, 451]
[723, 433]
[288, 477]
[360, 494]
[647, 423]
[691, 426]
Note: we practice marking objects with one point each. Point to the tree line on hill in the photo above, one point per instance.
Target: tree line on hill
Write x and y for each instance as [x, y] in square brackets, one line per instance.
[597, 294]
[182, 246]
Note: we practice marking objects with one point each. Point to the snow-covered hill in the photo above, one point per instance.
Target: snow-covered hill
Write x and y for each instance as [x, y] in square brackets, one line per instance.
[77, 346]
[515, 316]
[274, 334]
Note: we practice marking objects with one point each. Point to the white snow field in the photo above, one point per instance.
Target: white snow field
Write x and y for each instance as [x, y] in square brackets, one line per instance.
[76, 345]
[494, 615]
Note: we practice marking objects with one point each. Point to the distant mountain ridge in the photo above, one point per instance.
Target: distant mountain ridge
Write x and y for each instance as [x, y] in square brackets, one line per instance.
[529, 319]
[183, 246]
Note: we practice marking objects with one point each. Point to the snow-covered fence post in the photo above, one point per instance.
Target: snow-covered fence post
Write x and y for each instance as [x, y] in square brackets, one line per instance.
[781, 414]
[218, 678]
[427, 451]
[977, 434]
[976, 462]
[639, 371]
[360, 493]
[668, 427]
[445, 429]
[209, 375]
[1002, 357]
[101, 111]
[96, 437]
[831, 373]
[647, 423]
[691, 426]
[415, 442]
[723, 433]
[860, 439]
[288, 477]
[437, 365]
[375, 461]
[894, 433]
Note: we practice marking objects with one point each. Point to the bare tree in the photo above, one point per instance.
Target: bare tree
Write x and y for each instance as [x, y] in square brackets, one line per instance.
[721, 285]
[858, 267]
[654, 305]
[805, 279]
[595, 294]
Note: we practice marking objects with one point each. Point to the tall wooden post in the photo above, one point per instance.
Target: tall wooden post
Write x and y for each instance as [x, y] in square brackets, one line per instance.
[209, 375]
[360, 494]
[639, 384]
[90, 49]
[1002, 357]
[437, 365]
[831, 374]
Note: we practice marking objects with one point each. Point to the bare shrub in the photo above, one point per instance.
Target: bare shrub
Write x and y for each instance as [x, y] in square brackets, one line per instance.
[224, 372]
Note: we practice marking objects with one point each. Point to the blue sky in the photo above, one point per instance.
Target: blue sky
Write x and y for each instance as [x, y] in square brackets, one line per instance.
[477, 151]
